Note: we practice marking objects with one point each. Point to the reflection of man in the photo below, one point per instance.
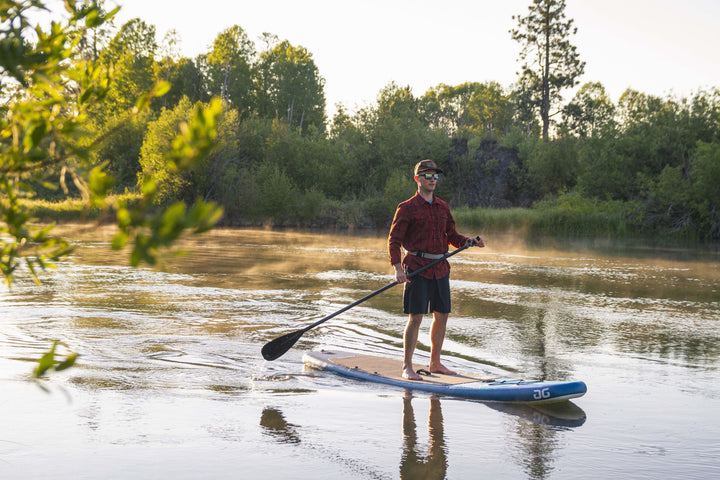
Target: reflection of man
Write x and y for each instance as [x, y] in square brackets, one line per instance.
[434, 464]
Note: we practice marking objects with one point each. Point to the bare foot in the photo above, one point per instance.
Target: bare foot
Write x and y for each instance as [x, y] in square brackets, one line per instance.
[440, 368]
[410, 374]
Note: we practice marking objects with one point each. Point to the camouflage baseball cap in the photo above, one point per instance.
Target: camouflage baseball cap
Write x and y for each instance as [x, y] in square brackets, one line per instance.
[426, 165]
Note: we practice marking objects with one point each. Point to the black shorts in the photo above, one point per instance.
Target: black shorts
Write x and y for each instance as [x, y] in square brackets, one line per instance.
[422, 292]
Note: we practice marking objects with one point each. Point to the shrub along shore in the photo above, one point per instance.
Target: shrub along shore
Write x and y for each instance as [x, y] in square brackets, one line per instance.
[572, 218]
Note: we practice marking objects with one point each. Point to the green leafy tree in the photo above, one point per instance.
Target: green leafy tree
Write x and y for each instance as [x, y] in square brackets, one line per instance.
[445, 106]
[705, 178]
[553, 166]
[123, 136]
[589, 113]
[290, 87]
[490, 110]
[187, 79]
[351, 147]
[230, 69]
[131, 56]
[399, 135]
[606, 171]
[550, 63]
[481, 109]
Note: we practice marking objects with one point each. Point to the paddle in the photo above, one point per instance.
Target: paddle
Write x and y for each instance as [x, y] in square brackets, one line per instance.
[277, 348]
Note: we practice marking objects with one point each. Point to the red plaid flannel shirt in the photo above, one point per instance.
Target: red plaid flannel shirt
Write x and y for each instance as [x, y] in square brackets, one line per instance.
[426, 227]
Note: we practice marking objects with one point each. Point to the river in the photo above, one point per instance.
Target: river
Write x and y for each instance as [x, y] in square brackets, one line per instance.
[170, 382]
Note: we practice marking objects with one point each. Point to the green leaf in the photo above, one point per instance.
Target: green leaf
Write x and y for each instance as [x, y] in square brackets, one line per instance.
[34, 134]
[161, 88]
[67, 363]
[100, 184]
[46, 362]
[120, 240]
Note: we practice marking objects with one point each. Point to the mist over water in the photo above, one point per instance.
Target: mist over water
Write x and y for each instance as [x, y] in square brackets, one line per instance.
[170, 380]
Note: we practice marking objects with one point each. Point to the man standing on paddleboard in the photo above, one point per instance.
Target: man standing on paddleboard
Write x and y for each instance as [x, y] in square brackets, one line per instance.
[424, 227]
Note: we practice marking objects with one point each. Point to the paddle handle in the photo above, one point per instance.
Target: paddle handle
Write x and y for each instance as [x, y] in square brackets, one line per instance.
[390, 285]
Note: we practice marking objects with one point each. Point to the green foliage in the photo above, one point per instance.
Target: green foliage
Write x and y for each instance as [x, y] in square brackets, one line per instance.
[481, 109]
[46, 128]
[130, 57]
[48, 361]
[399, 186]
[278, 194]
[312, 202]
[290, 87]
[229, 68]
[705, 177]
[93, 112]
[151, 229]
[42, 127]
[123, 137]
[156, 153]
[566, 215]
[575, 215]
[605, 171]
[553, 166]
[590, 113]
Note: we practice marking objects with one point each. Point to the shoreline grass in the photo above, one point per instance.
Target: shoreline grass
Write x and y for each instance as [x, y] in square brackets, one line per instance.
[583, 219]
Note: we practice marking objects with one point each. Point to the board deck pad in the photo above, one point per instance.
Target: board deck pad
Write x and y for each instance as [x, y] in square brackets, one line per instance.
[392, 368]
[480, 387]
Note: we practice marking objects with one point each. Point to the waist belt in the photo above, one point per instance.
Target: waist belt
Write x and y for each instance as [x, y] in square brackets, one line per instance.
[432, 256]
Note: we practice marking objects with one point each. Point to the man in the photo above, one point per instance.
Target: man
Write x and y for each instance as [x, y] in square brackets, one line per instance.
[424, 226]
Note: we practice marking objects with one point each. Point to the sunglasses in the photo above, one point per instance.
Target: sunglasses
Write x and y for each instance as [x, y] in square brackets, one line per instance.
[429, 176]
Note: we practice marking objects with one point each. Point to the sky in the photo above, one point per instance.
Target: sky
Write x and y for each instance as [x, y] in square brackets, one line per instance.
[658, 47]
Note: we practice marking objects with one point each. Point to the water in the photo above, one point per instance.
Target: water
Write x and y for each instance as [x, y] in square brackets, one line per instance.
[170, 382]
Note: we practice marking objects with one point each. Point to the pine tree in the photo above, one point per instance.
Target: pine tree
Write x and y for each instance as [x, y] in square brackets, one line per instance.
[550, 62]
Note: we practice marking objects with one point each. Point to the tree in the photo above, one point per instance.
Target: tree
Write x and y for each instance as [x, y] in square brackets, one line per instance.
[93, 39]
[479, 108]
[290, 87]
[589, 113]
[550, 62]
[229, 69]
[705, 175]
[489, 110]
[131, 57]
[399, 136]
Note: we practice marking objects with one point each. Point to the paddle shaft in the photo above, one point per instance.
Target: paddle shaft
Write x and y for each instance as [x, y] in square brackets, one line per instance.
[390, 285]
[276, 348]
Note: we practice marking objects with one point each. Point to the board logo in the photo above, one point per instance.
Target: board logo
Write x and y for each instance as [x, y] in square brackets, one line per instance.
[541, 393]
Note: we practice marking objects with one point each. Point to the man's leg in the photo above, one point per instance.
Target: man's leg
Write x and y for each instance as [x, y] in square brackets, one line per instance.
[437, 336]
[410, 338]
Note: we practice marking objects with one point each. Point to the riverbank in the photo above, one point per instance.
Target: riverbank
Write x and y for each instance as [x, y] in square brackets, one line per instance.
[561, 220]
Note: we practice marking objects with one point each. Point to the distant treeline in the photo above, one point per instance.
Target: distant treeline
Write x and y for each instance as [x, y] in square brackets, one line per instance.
[651, 163]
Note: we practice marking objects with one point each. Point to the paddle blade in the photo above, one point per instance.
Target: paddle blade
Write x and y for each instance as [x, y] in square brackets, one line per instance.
[277, 348]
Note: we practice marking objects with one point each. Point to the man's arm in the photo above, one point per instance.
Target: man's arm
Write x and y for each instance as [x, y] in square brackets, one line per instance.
[397, 233]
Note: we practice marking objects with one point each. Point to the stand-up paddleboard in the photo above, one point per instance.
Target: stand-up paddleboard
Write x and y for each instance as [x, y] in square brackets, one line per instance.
[487, 388]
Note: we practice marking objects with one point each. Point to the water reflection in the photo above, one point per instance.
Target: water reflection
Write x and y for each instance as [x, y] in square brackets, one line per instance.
[537, 428]
[275, 425]
[561, 414]
[536, 441]
[415, 464]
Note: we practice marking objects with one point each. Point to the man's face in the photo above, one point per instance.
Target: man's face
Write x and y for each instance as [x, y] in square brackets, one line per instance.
[427, 180]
